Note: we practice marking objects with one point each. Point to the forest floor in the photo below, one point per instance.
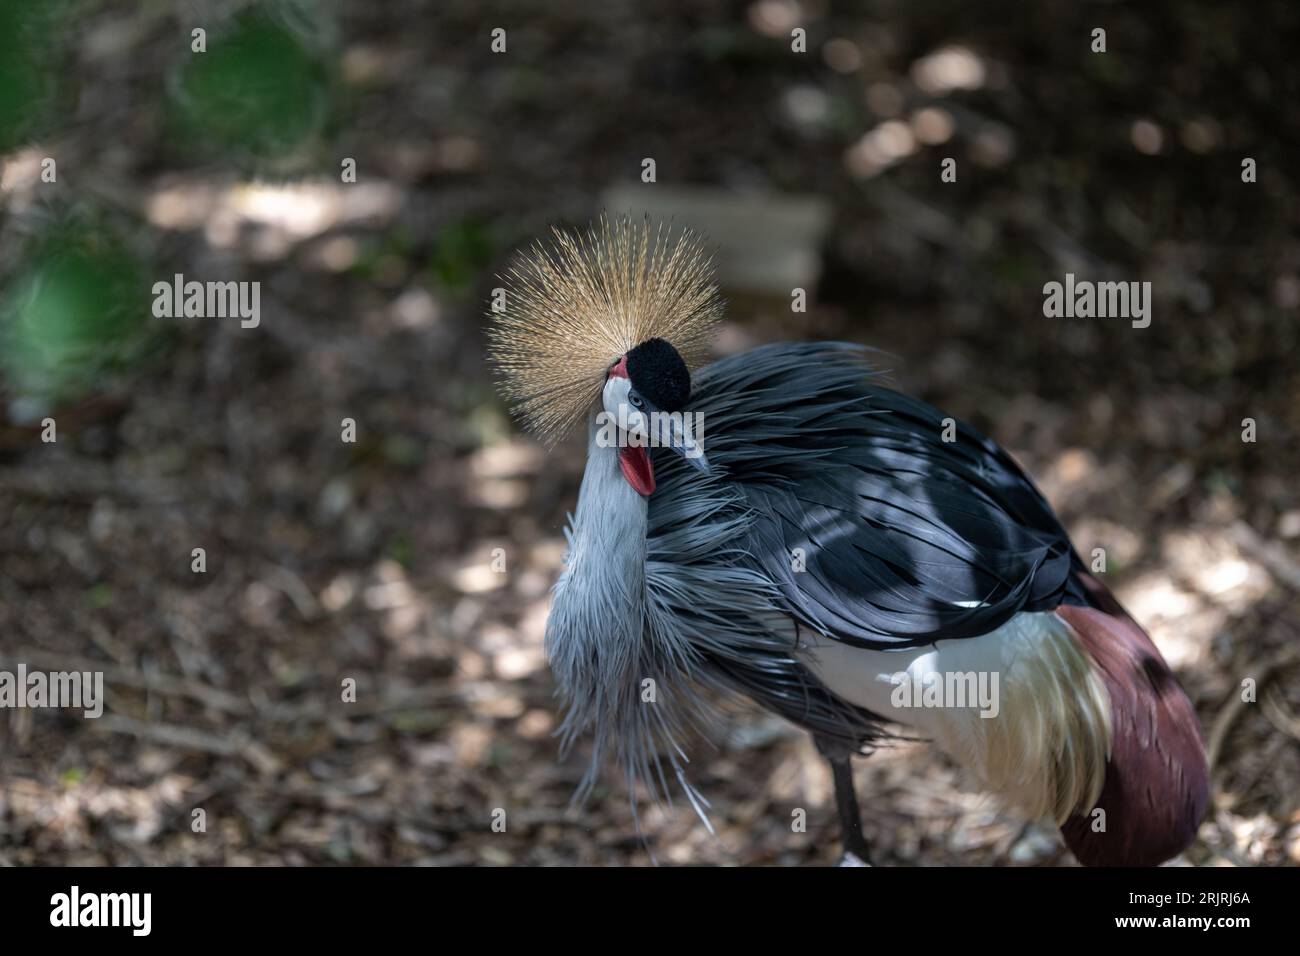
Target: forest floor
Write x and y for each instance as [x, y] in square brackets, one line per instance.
[373, 561]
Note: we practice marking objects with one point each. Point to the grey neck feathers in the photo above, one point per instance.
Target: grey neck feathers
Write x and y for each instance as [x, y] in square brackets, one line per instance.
[595, 630]
[607, 542]
[639, 608]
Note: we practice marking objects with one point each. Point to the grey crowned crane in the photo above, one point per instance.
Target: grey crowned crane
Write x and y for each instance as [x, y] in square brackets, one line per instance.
[816, 542]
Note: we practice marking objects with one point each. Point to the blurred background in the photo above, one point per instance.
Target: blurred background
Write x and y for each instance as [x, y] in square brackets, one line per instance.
[806, 138]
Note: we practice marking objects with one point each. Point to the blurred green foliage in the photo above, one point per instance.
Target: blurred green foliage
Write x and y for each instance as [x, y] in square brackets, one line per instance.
[460, 254]
[99, 596]
[72, 776]
[78, 309]
[264, 88]
[400, 549]
[393, 248]
[31, 91]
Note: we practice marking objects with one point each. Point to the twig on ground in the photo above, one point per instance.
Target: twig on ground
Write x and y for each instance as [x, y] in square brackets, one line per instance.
[1233, 707]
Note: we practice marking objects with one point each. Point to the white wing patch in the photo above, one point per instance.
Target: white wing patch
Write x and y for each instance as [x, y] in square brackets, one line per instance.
[1021, 706]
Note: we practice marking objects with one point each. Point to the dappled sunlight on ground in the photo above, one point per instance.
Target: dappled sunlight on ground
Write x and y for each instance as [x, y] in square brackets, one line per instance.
[414, 565]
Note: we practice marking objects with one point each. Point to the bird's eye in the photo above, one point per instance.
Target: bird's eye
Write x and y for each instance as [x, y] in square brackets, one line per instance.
[635, 399]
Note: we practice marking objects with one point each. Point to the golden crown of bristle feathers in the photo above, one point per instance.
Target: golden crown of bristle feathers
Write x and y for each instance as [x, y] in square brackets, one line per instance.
[573, 307]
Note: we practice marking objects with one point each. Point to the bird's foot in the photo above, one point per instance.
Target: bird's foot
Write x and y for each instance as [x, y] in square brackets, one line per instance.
[852, 859]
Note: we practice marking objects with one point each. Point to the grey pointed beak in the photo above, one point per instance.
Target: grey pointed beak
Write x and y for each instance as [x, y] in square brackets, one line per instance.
[695, 458]
[692, 451]
[683, 433]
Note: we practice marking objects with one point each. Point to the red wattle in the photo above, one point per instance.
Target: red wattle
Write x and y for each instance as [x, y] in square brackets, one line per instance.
[638, 471]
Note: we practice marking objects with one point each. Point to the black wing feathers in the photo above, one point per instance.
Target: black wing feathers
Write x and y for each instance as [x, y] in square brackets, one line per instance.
[878, 532]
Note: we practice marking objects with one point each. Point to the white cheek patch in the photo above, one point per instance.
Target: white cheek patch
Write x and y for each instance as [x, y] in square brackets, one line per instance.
[616, 391]
[620, 410]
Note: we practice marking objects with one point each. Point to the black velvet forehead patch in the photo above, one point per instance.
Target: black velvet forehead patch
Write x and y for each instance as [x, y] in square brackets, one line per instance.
[659, 374]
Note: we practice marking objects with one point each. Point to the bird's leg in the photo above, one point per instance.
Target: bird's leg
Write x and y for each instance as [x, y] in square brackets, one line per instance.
[855, 845]
[838, 755]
